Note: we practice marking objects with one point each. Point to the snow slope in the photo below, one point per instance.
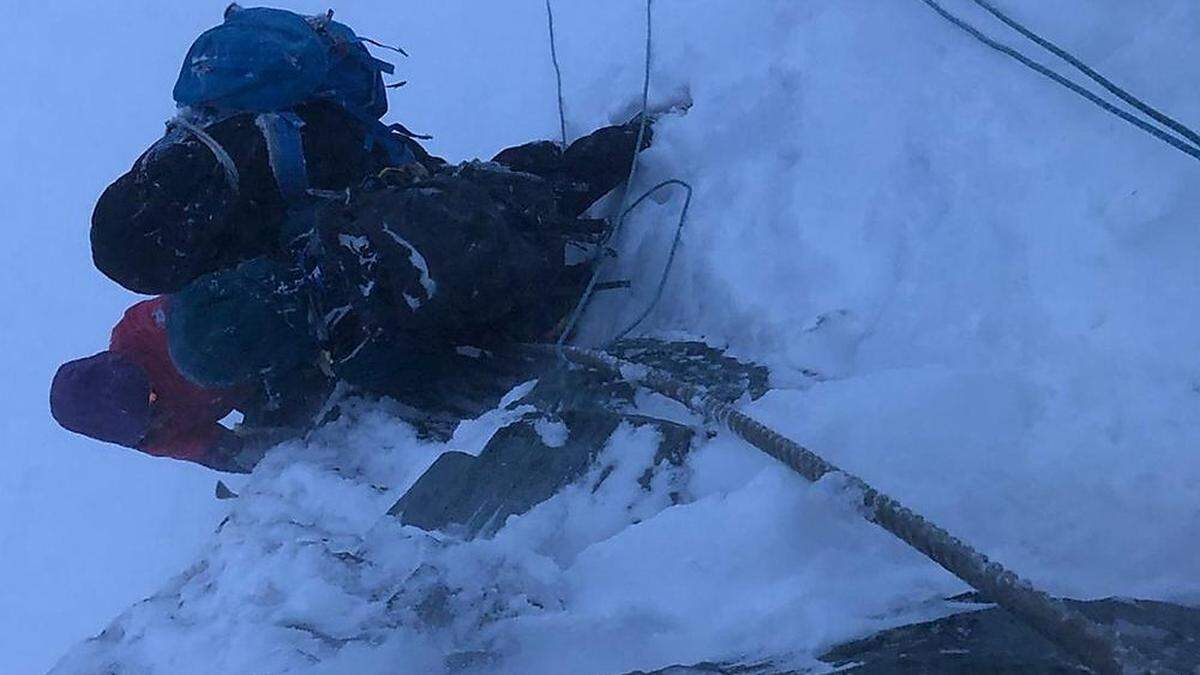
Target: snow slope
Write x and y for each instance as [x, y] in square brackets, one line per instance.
[994, 279]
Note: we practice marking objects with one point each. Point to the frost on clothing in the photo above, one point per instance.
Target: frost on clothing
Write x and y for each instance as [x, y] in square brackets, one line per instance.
[174, 217]
[395, 275]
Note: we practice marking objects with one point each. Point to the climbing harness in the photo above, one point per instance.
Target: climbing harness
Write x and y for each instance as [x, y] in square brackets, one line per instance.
[1070, 630]
[615, 223]
[1190, 146]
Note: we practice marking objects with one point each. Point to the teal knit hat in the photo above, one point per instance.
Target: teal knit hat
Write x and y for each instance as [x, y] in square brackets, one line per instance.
[234, 326]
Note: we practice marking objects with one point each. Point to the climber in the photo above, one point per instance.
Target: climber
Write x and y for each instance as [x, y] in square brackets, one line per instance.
[410, 276]
[132, 395]
[406, 274]
[301, 243]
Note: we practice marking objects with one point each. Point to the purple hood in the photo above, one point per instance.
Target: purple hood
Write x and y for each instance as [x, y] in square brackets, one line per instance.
[106, 397]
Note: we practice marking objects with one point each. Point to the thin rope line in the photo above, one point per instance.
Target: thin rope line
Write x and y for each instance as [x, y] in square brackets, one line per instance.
[562, 115]
[662, 280]
[598, 259]
[1158, 133]
[1124, 95]
[394, 48]
[637, 148]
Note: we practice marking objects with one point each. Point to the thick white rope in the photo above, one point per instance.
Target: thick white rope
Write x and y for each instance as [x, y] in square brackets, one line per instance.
[1067, 628]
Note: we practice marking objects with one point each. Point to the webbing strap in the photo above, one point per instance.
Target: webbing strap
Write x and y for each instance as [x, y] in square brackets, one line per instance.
[285, 149]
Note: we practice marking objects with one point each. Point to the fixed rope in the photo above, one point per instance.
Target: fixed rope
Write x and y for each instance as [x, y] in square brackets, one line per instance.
[1168, 138]
[641, 136]
[1155, 114]
[1070, 630]
[626, 206]
[666, 273]
[1092, 645]
[562, 113]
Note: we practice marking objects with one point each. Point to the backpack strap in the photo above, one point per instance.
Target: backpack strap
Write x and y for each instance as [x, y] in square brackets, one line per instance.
[397, 150]
[285, 150]
[182, 123]
[392, 141]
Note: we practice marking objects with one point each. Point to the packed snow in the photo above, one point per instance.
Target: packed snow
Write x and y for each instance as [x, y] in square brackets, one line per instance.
[973, 289]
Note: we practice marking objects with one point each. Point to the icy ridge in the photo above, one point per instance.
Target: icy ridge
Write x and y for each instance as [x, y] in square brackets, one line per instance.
[973, 291]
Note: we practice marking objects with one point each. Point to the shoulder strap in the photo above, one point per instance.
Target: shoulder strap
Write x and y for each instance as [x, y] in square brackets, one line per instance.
[285, 150]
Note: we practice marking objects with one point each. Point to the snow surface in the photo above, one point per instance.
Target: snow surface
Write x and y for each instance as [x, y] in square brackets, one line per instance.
[994, 280]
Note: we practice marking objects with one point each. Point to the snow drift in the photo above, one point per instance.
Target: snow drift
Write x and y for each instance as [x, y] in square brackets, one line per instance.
[972, 289]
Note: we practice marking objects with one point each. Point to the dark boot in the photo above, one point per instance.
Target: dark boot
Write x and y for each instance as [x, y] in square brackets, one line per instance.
[588, 169]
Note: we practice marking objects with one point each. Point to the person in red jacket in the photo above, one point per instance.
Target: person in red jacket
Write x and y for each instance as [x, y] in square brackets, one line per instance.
[133, 395]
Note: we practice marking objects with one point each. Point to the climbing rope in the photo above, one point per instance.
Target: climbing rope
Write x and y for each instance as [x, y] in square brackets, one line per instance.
[562, 115]
[641, 137]
[1070, 630]
[1164, 136]
[615, 224]
[1156, 115]
[1091, 644]
[662, 280]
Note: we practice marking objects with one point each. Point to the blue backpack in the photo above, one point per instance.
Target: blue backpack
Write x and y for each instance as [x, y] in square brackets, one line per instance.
[266, 61]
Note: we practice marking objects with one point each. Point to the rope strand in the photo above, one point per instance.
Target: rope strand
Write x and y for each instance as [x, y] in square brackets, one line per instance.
[641, 137]
[1158, 133]
[227, 165]
[597, 260]
[1158, 116]
[666, 273]
[562, 115]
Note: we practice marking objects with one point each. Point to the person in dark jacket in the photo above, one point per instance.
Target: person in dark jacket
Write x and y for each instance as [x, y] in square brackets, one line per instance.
[408, 273]
[409, 276]
[301, 241]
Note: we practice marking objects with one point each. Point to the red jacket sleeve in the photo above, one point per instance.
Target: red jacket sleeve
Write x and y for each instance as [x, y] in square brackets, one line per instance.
[185, 416]
[213, 446]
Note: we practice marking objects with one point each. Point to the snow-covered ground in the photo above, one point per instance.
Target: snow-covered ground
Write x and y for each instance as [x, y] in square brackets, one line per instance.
[995, 279]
